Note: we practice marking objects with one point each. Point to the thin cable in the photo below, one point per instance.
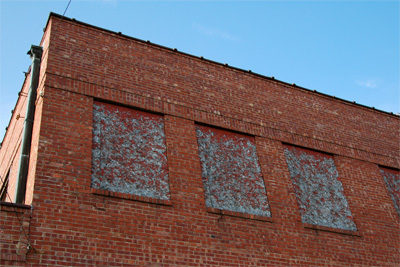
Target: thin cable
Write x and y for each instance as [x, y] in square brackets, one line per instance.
[65, 11]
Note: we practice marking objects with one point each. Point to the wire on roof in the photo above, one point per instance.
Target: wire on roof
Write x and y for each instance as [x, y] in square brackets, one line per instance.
[65, 11]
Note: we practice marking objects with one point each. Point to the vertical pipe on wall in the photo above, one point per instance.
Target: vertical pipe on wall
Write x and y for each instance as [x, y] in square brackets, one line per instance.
[36, 54]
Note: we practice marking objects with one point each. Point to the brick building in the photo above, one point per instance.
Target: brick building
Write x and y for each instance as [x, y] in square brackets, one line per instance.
[141, 155]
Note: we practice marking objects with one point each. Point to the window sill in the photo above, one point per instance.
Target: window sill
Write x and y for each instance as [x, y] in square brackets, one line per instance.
[331, 229]
[239, 214]
[131, 197]
[14, 205]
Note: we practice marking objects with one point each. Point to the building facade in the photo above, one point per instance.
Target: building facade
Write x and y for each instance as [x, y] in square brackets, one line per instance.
[141, 155]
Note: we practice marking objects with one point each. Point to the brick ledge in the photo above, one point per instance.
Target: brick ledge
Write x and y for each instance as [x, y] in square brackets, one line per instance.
[331, 229]
[131, 197]
[16, 205]
[239, 214]
[12, 257]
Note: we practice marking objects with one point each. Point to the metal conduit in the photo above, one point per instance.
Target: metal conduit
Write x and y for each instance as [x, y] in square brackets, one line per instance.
[36, 55]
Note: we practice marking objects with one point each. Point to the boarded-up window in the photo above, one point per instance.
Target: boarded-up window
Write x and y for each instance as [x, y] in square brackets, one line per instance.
[392, 180]
[318, 190]
[231, 173]
[129, 152]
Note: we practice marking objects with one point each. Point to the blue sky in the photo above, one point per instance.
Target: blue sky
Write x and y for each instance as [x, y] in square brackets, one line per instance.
[349, 49]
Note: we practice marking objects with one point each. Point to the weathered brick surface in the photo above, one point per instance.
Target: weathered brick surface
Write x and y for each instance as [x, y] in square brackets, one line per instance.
[74, 224]
[14, 232]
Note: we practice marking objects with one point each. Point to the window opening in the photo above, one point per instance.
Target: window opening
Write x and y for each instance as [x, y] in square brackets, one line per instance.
[318, 189]
[129, 152]
[231, 172]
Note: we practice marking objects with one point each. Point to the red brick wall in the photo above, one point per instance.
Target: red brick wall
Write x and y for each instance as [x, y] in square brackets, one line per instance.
[74, 225]
[14, 233]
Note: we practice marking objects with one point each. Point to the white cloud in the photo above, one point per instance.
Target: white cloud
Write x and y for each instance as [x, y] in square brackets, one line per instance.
[369, 83]
[214, 32]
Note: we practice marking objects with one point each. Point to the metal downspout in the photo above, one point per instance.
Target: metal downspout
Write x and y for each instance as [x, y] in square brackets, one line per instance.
[36, 55]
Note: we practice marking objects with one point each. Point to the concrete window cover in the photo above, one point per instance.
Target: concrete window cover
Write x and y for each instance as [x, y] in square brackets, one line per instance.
[129, 152]
[318, 190]
[392, 181]
[231, 172]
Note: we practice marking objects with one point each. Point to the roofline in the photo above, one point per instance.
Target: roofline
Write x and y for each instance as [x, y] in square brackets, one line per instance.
[272, 78]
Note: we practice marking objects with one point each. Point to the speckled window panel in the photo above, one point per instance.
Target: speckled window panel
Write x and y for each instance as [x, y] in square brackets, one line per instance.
[231, 173]
[129, 152]
[318, 190]
[392, 180]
